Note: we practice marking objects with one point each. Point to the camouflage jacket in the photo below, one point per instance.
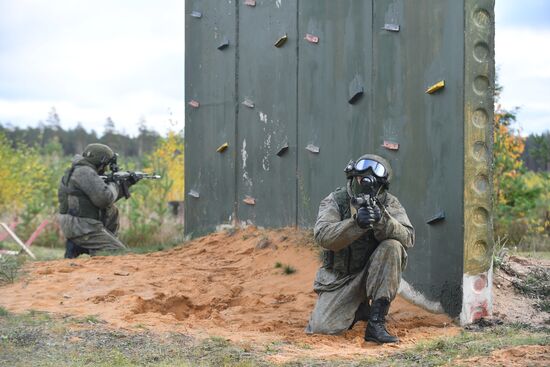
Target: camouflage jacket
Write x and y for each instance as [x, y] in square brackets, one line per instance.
[347, 246]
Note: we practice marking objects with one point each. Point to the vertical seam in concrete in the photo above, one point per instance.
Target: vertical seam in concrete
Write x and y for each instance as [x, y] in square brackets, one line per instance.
[297, 109]
[236, 155]
[464, 23]
[372, 66]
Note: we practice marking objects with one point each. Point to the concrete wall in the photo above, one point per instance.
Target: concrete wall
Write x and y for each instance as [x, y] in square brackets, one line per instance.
[259, 99]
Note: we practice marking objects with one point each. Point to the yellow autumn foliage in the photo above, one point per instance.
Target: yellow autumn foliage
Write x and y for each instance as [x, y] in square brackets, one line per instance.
[25, 178]
[508, 148]
[170, 156]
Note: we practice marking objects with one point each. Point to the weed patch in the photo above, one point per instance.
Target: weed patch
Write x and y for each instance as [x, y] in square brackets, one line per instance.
[289, 270]
[9, 268]
[3, 312]
[499, 251]
[535, 285]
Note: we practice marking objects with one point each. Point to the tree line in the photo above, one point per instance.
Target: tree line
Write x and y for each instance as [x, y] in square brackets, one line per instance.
[536, 154]
[50, 137]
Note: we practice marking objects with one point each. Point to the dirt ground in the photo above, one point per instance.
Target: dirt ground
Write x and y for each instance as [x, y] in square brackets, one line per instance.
[527, 355]
[231, 284]
[225, 284]
[509, 305]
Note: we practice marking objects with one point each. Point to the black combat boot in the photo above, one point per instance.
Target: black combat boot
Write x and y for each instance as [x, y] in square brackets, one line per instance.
[72, 250]
[362, 313]
[376, 327]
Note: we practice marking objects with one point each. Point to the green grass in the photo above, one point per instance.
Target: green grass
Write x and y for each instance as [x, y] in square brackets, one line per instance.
[46, 254]
[40, 339]
[3, 312]
[41, 253]
[90, 319]
[450, 350]
[544, 305]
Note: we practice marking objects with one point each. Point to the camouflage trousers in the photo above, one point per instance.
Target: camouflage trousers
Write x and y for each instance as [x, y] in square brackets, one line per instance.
[341, 295]
[104, 239]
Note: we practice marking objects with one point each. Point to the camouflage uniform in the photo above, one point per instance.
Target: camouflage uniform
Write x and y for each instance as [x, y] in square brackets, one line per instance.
[359, 264]
[87, 216]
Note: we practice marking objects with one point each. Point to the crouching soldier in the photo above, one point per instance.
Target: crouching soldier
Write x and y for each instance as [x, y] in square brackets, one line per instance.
[365, 233]
[87, 215]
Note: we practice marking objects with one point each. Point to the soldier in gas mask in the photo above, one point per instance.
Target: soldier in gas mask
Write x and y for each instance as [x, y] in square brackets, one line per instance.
[365, 233]
[87, 214]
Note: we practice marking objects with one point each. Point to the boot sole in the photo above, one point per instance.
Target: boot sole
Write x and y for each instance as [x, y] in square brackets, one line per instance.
[370, 339]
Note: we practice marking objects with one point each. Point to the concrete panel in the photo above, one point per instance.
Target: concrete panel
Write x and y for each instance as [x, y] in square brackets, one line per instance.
[267, 79]
[210, 81]
[327, 120]
[428, 128]
[298, 95]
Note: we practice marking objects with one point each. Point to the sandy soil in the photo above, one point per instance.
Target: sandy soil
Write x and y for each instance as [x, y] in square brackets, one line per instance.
[225, 284]
[530, 355]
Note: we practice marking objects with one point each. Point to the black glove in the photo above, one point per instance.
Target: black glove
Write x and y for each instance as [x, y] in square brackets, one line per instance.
[125, 188]
[368, 215]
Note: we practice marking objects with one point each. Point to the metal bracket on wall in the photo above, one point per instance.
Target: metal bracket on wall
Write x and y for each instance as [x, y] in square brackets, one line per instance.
[251, 3]
[391, 27]
[193, 194]
[311, 38]
[436, 218]
[194, 104]
[437, 86]
[390, 145]
[196, 14]
[249, 200]
[248, 103]
[222, 147]
[356, 89]
[224, 44]
[312, 148]
[281, 41]
[283, 150]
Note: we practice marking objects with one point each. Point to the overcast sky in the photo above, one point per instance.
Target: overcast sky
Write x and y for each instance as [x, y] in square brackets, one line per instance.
[125, 59]
[92, 59]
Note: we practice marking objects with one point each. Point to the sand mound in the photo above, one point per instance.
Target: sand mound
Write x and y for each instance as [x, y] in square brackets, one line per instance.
[226, 284]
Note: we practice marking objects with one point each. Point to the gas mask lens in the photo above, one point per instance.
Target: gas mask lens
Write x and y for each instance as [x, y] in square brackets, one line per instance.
[377, 168]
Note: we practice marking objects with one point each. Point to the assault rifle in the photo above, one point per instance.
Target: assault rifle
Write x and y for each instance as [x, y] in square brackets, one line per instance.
[125, 179]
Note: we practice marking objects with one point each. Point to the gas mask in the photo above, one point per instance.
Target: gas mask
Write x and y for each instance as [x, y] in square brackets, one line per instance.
[366, 177]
